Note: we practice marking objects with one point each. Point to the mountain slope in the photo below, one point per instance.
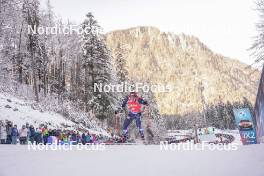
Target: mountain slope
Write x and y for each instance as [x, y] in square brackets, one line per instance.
[187, 64]
[21, 111]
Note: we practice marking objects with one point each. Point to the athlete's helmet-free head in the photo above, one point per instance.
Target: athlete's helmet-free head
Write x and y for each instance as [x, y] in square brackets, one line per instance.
[133, 94]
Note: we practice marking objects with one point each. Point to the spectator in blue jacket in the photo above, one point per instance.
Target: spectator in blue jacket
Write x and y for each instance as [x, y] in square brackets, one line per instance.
[32, 134]
[9, 126]
[14, 134]
[83, 138]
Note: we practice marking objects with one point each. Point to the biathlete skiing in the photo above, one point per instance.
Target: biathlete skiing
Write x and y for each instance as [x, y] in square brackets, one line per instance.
[134, 105]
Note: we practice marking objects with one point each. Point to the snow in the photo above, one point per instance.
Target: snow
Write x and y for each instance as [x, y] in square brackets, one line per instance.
[25, 113]
[182, 133]
[136, 160]
[234, 133]
[22, 112]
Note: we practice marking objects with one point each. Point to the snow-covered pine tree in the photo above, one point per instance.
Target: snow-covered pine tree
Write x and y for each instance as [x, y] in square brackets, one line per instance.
[89, 50]
[220, 115]
[104, 74]
[214, 116]
[226, 119]
[120, 64]
[98, 70]
[231, 117]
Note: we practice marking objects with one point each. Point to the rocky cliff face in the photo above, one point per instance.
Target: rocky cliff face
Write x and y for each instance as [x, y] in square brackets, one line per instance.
[199, 75]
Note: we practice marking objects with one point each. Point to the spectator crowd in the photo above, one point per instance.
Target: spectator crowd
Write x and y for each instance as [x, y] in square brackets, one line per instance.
[11, 134]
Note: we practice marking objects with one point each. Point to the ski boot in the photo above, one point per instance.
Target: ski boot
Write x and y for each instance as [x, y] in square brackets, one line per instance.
[142, 134]
[125, 136]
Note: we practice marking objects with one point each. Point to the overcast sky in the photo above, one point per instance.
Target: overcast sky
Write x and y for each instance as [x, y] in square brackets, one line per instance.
[225, 26]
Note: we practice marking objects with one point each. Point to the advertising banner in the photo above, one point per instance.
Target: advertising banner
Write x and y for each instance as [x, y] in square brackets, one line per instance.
[245, 125]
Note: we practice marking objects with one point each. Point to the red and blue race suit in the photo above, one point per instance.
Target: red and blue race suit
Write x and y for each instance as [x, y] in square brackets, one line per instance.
[134, 106]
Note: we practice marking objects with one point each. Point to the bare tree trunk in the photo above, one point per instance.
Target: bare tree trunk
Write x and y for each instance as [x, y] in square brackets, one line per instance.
[19, 57]
[35, 87]
[86, 89]
[59, 77]
[78, 75]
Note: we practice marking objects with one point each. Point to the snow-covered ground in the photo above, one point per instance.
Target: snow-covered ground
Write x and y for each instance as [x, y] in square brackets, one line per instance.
[20, 112]
[234, 133]
[136, 160]
[179, 134]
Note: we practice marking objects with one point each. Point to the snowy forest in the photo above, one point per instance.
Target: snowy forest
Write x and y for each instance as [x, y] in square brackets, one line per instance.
[59, 71]
[64, 66]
